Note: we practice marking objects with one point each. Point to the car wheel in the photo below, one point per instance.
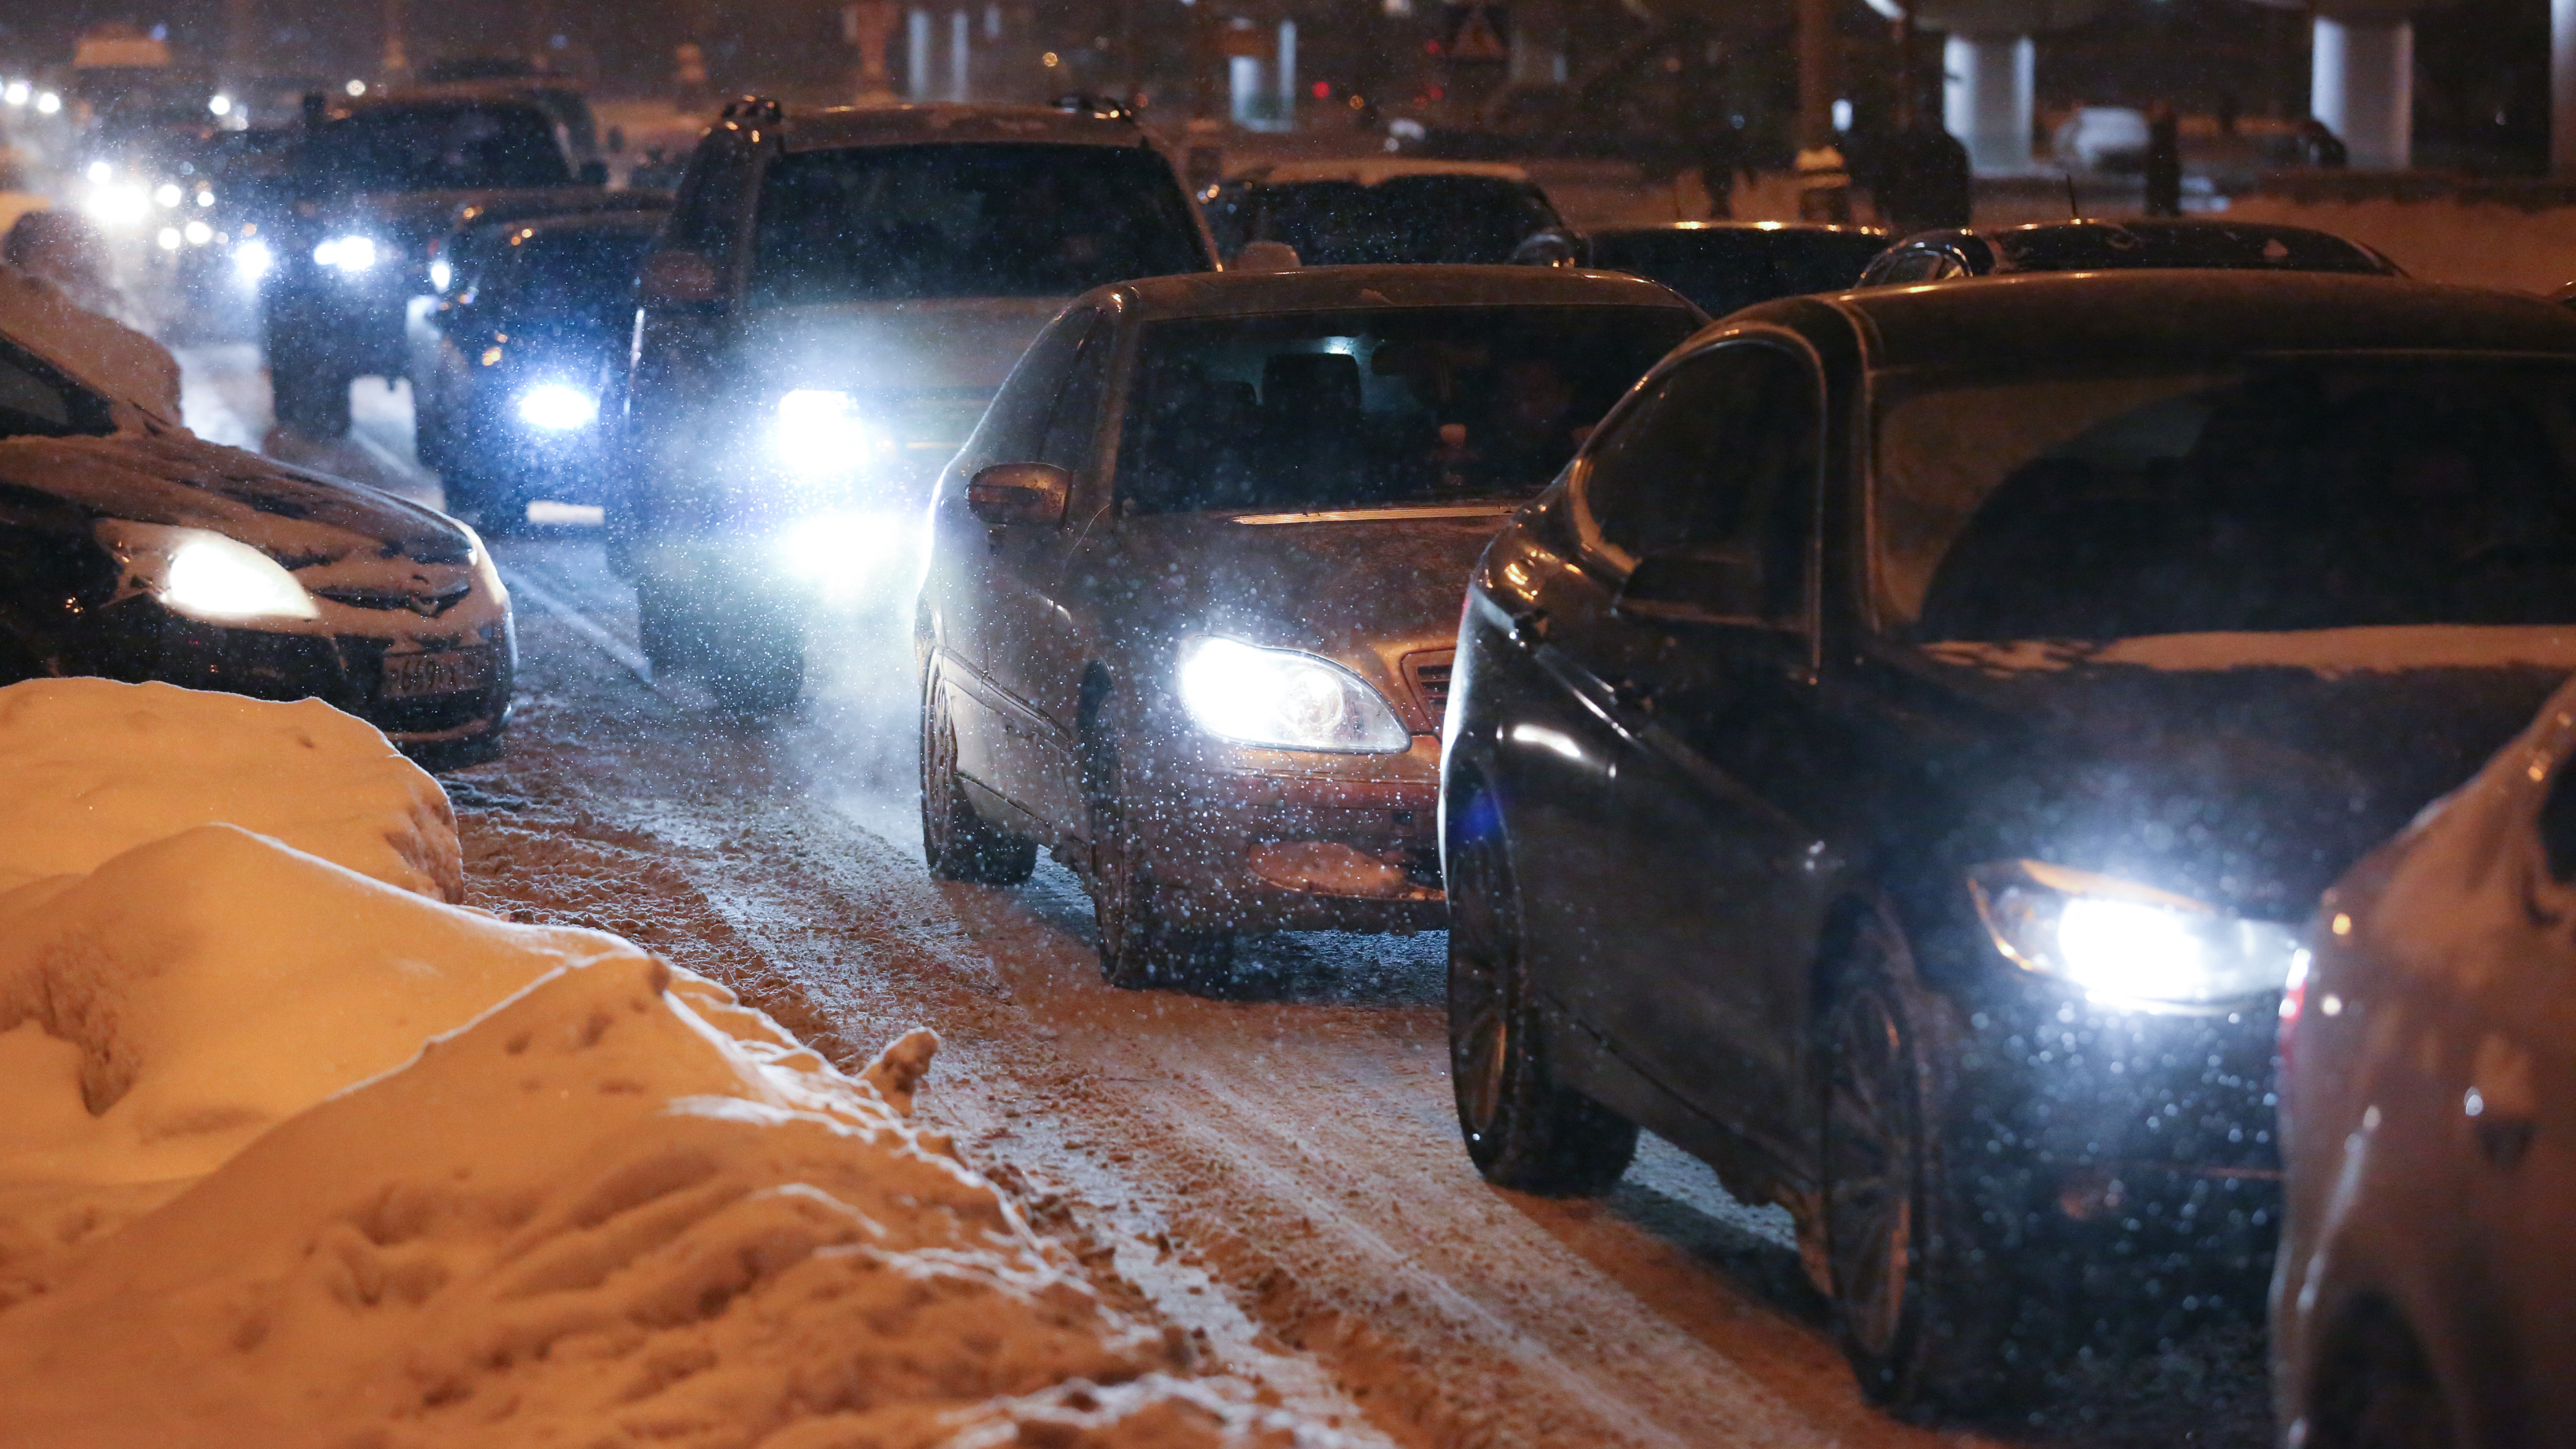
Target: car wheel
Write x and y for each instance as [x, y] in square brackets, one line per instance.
[662, 629]
[2375, 1391]
[957, 842]
[1140, 946]
[1523, 1130]
[1920, 1314]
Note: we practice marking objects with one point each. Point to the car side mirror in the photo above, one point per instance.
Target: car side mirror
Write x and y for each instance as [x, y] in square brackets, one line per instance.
[1265, 256]
[593, 173]
[677, 279]
[1693, 588]
[1019, 493]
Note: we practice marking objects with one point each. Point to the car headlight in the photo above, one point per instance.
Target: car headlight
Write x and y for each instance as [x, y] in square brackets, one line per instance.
[1284, 699]
[441, 273]
[205, 575]
[2127, 942]
[557, 407]
[115, 204]
[819, 433]
[252, 259]
[350, 254]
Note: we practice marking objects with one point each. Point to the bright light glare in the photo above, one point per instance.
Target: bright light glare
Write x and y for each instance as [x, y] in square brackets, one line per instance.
[2123, 948]
[100, 170]
[840, 552]
[2126, 942]
[169, 238]
[356, 88]
[198, 233]
[221, 105]
[119, 206]
[205, 198]
[557, 407]
[214, 577]
[819, 433]
[348, 253]
[167, 193]
[1283, 699]
[252, 259]
[441, 273]
[48, 103]
[16, 93]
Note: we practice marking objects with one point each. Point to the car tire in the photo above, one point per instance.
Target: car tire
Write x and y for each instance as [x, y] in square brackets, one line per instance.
[662, 629]
[1922, 1312]
[958, 843]
[1140, 946]
[1523, 1129]
[309, 393]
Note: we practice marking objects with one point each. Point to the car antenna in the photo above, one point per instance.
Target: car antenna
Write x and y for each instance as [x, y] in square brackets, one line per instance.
[2073, 211]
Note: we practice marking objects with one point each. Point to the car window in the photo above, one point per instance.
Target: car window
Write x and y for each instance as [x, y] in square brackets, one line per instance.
[1725, 269]
[705, 214]
[1718, 458]
[1074, 421]
[1015, 426]
[568, 276]
[437, 148]
[2313, 493]
[36, 403]
[884, 223]
[1403, 219]
[1325, 410]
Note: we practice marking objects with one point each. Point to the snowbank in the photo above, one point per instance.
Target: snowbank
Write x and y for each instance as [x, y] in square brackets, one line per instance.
[95, 768]
[296, 1157]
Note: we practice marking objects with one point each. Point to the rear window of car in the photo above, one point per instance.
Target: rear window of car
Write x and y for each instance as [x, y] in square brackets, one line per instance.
[1323, 410]
[567, 276]
[1403, 219]
[1001, 219]
[437, 148]
[1723, 270]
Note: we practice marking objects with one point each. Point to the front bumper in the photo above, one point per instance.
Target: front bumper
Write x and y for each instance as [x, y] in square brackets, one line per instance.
[136, 639]
[1286, 840]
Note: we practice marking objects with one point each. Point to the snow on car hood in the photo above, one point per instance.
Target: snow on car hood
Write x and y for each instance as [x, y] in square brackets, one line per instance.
[1364, 588]
[2250, 768]
[178, 479]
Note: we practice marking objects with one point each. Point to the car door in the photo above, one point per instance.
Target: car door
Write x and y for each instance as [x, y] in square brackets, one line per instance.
[973, 593]
[1704, 664]
[1035, 646]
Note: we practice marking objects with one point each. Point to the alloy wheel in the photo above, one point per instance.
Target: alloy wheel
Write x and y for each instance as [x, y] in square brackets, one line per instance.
[1870, 1170]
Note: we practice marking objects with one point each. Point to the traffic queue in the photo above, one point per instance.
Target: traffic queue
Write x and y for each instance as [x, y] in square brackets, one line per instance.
[2040, 750]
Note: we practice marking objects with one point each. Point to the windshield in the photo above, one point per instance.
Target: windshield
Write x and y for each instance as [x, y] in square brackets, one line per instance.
[1723, 270]
[2303, 494]
[1326, 410]
[438, 148]
[568, 276]
[1402, 219]
[886, 223]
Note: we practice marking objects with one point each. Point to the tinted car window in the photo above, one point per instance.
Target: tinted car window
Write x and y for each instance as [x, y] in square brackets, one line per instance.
[568, 275]
[438, 148]
[35, 403]
[1004, 220]
[1015, 427]
[2111, 248]
[2309, 494]
[1718, 457]
[1723, 270]
[1075, 419]
[1403, 219]
[1325, 410]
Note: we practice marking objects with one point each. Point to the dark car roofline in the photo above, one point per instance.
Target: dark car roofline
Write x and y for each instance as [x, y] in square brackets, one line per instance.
[647, 220]
[2036, 318]
[1331, 289]
[831, 128]
[1802, 228]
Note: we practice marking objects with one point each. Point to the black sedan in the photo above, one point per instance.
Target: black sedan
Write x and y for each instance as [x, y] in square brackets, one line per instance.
[2146, 244]
[133, 550]
[1719, 265]
[1896, 759]
[509, 390]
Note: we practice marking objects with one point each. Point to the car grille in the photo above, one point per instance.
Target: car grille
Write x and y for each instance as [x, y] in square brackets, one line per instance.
[428, 603]
[1428, 673]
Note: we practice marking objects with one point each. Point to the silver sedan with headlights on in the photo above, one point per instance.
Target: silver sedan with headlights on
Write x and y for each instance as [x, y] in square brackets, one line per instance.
[131, 549]
[1195, 579]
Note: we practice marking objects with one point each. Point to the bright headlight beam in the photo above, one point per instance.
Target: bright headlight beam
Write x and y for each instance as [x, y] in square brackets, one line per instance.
[820, 432]
[1283, 699]
[2125, 942]
[252, 259]
[213, 577]
[348, 253]
[557, 407]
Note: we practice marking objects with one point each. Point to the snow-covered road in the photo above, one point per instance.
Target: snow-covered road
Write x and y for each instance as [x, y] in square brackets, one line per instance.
[1277, 1169]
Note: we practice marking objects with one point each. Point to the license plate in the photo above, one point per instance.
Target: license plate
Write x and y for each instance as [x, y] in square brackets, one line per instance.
[456, 671]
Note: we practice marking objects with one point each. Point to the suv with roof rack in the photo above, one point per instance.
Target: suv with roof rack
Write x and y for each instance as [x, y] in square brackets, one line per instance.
[838, 295]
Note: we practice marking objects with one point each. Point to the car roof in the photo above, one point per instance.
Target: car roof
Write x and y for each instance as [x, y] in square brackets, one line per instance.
[1371, 170]
[2062, 245]
[832, 128]
[641, 223]
[1325, 289]
[2035, 319]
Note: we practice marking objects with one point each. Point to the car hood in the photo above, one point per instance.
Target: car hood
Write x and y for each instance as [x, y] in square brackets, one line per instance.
[964, 345]
[1365, 588]
[316, 525]
[2246, 769]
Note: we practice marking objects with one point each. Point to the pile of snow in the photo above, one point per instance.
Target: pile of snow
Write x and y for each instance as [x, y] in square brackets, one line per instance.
[296, 1156]
[95, 768]
[139, 376]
